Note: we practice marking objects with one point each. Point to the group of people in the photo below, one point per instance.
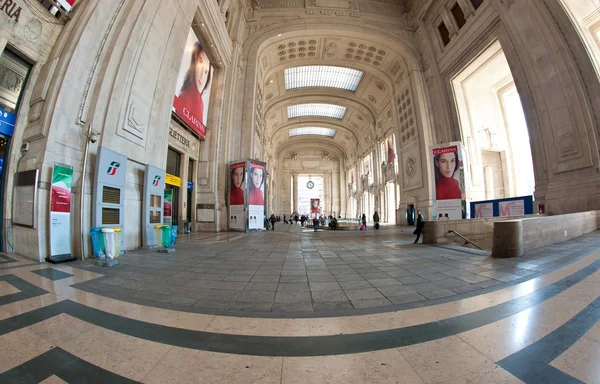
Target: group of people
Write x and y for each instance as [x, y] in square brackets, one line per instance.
[363, 220]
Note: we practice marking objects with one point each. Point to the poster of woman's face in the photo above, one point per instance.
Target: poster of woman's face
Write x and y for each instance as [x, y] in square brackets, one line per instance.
[237, 190]
[256, 180]
[192, 95]
[449, 182]
[314, 205]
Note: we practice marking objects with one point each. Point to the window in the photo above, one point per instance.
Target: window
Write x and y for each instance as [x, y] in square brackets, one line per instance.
[459, 16]
[322, 76]
[323, 110]
[312, 131]
[476, 3]
[444, 33]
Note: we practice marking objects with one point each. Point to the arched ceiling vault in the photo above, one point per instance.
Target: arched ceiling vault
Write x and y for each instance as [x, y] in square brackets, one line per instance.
[297, 145]
[384, 57]
[344, 138]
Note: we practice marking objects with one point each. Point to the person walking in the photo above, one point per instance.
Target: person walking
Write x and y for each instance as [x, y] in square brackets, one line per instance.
[273, 219]
[420, 225]
[364, 221]
[376, 220]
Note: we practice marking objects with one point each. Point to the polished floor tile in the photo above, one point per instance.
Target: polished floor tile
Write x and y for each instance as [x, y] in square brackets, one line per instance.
[387, 366]
[441, 360]
[181, 365]
[581, 360]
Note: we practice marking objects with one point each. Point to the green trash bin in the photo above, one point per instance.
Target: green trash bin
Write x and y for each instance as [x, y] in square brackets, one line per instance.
[166, 236]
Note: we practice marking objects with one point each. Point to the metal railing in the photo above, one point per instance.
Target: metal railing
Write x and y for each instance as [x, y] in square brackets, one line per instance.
[465, 239]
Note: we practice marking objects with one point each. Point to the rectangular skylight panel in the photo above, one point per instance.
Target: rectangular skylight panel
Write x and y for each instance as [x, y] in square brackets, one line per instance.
[322, 110]
[322, 76]
[312, 131]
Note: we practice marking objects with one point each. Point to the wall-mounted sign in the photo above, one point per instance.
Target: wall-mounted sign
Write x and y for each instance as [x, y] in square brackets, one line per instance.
[179, 137]
[190, 186]
[7, 122]
[173, 180]
[11, 9]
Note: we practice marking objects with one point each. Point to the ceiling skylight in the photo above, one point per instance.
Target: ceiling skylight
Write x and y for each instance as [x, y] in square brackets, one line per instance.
[323, 110]
[312, 131]
[322, 76]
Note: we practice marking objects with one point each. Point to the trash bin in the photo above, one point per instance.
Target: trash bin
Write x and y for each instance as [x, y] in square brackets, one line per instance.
[158, 229]
[117, 242]
[97, 242]
[174, 229]
[166, 236]
[109, 242]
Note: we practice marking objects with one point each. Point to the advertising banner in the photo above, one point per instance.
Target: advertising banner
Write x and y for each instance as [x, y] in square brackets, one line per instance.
[66, 4]
[168, 205]
[237, 195]
[512, 208]
[314, 205]
[60, 210]
[192, 94]
[484, 210]
[256, 194]
[449, 182]
[391, 154]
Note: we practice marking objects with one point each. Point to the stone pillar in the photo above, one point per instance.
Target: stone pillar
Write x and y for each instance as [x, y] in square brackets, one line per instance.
[295, 189]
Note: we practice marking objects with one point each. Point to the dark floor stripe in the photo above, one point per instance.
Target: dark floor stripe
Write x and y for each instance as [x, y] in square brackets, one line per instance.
[19, 266]
[297, 346]
[61, 363]
[28, 290]
[531, 365]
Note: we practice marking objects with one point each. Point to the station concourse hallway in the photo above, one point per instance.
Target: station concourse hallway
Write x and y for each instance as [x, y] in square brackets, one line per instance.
[295, 306]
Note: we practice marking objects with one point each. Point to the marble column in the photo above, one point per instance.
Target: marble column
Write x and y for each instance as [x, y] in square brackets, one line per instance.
[295, 189]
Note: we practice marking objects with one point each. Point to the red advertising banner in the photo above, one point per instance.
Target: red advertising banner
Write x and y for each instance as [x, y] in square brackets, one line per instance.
[192, 95]
[314, 205]
[66, 4]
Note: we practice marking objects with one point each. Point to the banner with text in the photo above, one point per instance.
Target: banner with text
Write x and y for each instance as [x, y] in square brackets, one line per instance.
[60, 210]
[449, 182]
[192, 94]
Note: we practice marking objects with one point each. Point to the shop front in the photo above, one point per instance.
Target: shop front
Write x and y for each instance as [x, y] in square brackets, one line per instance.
[182, 157]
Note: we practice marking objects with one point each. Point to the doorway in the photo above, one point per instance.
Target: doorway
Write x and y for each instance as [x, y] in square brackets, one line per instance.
[390, 192]
[10, 98]
[493, 128]
[173, 168]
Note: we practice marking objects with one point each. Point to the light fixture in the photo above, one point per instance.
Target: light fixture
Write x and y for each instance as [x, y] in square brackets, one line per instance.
[279, 34]
[270, 81]
[316, 109]
[202, 24]
[322, 76]
[212, 45]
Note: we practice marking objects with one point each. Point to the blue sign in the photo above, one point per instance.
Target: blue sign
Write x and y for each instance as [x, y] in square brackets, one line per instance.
[512, 206]
[190, 185]
[7, 122]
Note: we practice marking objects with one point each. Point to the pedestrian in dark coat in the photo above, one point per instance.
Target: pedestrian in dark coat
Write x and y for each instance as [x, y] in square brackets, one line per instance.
[420, 225]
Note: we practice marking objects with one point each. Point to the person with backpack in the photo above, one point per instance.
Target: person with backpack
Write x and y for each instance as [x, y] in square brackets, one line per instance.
[420, 225]
[376, 220]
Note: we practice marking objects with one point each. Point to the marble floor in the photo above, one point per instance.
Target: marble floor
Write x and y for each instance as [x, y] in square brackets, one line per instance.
[291, 272]
[540, 328]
